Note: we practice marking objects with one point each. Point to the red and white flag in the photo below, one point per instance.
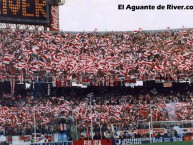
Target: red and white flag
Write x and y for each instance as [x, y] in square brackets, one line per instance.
[107, 81]
[7, 58]
[135, 31]
[62, 126]
[12, 82]
[58, 82]
[184, 32]
[169, 42]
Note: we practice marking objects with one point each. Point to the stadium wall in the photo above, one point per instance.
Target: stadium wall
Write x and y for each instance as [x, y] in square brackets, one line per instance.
[125, 141]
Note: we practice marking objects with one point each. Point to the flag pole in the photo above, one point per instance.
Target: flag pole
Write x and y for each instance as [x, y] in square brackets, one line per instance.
[76, 131]
[34, 117]
[34, 124]
[91, 116]
[150, 123]
[100, 130]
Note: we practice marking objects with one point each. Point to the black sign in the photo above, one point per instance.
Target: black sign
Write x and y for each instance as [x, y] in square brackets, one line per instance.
[167, 139]
[24, 11]
[131, 141]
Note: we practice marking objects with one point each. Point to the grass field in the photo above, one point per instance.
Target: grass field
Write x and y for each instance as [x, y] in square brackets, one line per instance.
[173, 143]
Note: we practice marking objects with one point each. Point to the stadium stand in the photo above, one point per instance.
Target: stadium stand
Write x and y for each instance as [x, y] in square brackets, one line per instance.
[112, 59]
[93, 56]
[124, 112]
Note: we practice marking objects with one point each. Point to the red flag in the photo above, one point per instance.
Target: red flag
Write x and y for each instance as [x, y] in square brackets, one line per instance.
[58, 82]
[107, 81]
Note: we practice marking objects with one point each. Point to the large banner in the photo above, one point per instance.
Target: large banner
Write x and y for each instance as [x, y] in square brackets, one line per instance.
[155, 130]
[93, 142]
[54, 143]
[130, 141]
[54, 18]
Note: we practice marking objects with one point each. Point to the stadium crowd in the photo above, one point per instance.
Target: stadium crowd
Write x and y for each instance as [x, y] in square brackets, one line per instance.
[127, 112]
[96, 57]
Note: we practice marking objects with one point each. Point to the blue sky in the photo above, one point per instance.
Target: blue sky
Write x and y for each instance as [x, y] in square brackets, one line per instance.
[80, 15]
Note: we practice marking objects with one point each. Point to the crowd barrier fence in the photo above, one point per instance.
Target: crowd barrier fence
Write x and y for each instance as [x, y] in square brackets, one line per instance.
[125, 141]
[54, 143]
[129, 141]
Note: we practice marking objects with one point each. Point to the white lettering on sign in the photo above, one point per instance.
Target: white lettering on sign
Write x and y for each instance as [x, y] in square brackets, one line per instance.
[55, 17]
[88, 142]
